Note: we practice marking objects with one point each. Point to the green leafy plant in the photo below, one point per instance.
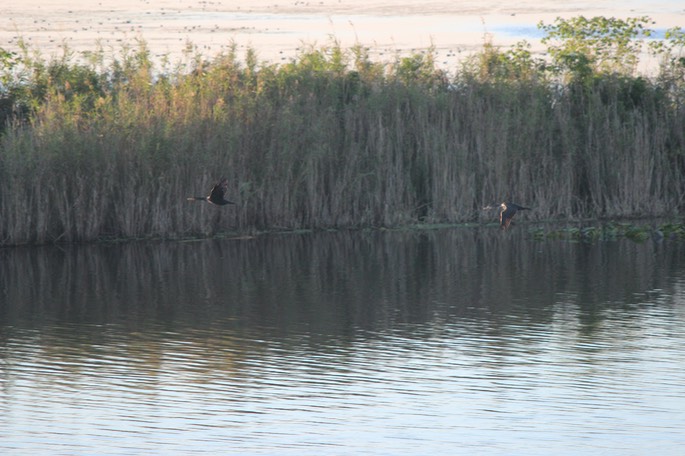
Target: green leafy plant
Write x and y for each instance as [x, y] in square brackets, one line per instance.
[582, 47]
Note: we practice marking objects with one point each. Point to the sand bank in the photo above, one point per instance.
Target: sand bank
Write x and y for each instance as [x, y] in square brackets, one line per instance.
[278, 29]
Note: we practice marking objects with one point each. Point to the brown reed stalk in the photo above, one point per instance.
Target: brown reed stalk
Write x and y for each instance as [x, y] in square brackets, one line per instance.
[330, 140]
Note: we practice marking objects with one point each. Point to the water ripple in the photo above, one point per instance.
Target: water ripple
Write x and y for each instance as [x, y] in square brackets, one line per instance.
[443, 368]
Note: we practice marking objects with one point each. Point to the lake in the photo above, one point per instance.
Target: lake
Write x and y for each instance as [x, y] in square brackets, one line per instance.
[446, 341]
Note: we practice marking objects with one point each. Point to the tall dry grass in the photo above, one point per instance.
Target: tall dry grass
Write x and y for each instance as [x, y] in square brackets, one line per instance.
[332, 139]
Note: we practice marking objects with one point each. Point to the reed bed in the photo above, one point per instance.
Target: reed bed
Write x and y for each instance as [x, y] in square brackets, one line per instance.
[330, 140]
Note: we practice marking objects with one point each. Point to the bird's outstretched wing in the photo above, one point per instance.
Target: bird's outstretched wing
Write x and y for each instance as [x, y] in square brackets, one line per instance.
[219, 190]
[217, 195]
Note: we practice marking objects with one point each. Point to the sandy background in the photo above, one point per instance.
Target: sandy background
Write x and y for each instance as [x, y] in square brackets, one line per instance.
[278, 29]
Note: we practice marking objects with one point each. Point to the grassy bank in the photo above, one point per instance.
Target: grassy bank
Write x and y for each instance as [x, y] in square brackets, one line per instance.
[112, 147]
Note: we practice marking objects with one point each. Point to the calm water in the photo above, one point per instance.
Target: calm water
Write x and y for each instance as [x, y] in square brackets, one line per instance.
[452, 341]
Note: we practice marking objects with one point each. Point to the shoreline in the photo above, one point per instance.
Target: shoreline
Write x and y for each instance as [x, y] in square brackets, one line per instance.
[585, 230]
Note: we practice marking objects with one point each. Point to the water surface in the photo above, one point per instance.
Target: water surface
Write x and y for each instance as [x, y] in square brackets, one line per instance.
[455, 341]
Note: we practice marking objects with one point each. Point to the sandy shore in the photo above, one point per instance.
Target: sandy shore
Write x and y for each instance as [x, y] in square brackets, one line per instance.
[278, 29]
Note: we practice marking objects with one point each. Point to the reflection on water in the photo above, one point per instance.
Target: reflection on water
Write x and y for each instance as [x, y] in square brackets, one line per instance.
[445, 341]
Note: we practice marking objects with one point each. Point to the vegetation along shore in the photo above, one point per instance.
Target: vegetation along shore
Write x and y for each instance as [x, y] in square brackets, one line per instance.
[110, 144]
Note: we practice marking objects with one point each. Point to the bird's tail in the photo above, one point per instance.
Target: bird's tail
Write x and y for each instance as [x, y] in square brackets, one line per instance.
[197, 198]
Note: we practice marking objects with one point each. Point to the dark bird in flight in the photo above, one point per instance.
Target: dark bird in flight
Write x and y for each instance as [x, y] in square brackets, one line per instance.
[507, 212]
[216, 196]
